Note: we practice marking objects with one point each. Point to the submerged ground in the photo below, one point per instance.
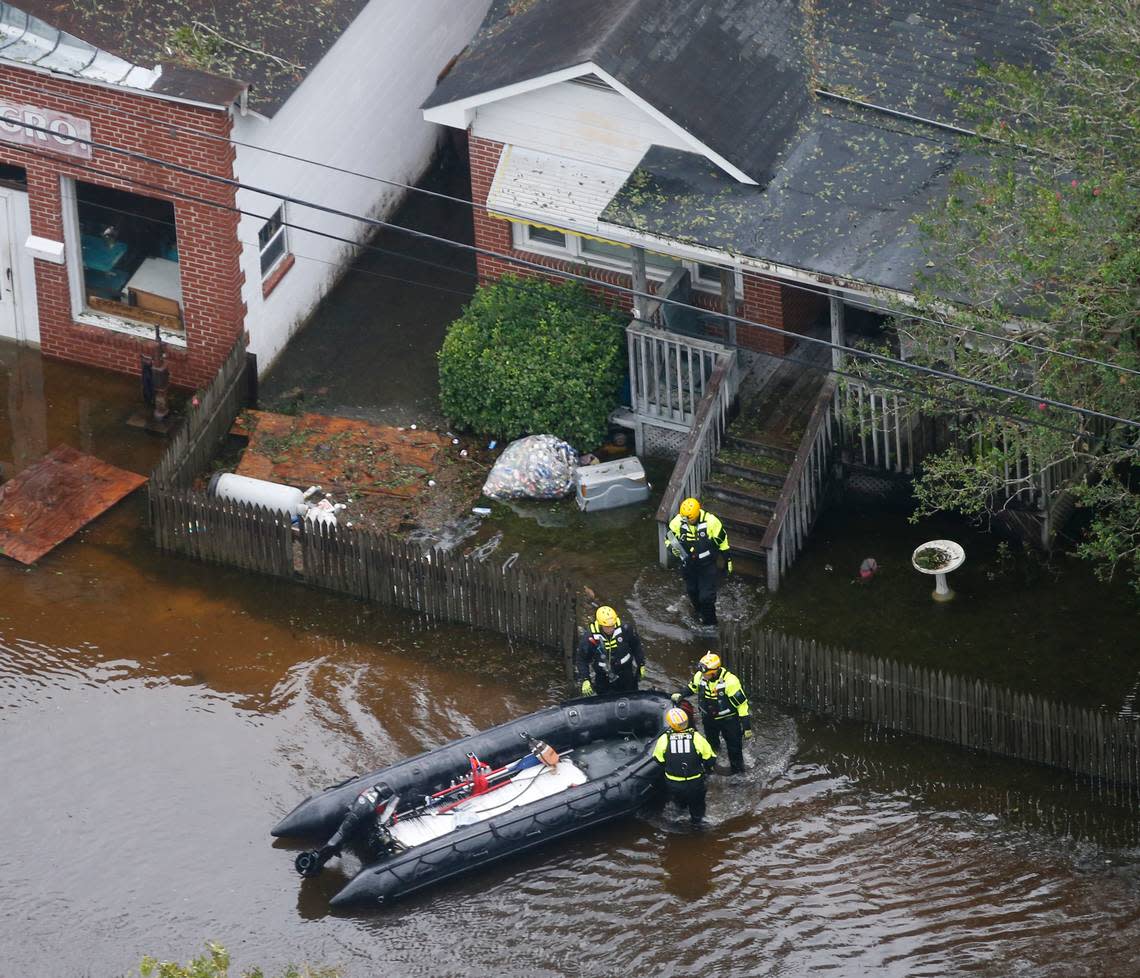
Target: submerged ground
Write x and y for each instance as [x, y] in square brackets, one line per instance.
[158, 716]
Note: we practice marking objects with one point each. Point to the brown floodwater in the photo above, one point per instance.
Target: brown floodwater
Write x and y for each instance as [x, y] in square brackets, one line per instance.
[157, 716]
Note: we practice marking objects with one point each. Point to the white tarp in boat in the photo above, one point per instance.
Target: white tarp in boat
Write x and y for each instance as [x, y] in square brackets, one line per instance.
[530, 784]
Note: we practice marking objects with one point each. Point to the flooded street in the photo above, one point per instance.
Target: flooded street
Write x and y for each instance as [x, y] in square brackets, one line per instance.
[158, 716]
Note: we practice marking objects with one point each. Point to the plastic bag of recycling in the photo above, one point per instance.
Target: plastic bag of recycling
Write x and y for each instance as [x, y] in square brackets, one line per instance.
[535, 467]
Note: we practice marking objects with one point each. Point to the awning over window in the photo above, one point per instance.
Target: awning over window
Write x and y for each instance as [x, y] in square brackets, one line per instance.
[552, 191]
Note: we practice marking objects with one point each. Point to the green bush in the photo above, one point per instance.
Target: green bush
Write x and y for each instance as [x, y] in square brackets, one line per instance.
[531, 357]
[215, 963]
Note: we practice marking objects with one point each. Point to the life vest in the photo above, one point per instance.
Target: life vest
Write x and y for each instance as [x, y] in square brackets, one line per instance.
[611, 653]
[715, 704]
[682, 761]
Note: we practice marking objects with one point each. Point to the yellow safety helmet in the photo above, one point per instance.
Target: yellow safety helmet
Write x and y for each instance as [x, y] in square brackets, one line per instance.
[677, 719]
[606, 617]
[690, 509]
[710, 662]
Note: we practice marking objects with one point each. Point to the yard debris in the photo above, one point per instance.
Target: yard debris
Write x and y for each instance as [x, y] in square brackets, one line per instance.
[381, 473]
[534, 467]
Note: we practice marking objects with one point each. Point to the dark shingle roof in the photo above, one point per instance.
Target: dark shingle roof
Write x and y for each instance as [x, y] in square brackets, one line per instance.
[841, 203]
[727, 71]
[275, 43]
[739, 74]
[839, 186]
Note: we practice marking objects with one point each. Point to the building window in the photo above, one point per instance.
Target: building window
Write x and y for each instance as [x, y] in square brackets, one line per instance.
[271, 239]
[128, 245]
[619, 257]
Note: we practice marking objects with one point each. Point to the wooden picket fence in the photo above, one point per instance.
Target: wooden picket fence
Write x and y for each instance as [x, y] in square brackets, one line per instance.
[891, 695]
[512, 600]
[516, 602]
[194, 444]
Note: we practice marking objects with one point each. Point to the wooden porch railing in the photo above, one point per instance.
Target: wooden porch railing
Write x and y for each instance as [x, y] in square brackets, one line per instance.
[669, 373]
[802, 491]
[880, 428]
[700, 448]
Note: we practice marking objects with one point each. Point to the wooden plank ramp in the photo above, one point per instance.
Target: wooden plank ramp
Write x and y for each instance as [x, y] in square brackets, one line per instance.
[49, 501]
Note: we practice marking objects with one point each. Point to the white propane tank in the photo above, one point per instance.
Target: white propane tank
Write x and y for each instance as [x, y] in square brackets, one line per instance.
[258, 492]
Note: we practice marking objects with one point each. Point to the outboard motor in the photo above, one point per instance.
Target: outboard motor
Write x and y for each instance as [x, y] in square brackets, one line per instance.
[363, 811]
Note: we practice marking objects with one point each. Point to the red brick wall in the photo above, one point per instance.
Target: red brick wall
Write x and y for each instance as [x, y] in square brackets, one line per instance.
[766, 300]
[208, 247]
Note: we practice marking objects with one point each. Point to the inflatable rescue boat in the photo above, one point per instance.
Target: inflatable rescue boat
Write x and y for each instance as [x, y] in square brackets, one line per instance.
[485, 797]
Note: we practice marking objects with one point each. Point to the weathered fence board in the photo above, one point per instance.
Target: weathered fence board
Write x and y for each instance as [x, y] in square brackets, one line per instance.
[800, 674]
[519, 603]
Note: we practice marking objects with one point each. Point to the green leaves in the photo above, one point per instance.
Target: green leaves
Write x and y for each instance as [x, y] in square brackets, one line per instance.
[532, 357]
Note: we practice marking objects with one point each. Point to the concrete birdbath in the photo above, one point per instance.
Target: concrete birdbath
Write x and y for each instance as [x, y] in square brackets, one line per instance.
[939, 557]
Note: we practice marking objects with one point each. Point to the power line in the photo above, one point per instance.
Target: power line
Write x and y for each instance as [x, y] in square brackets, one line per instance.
[522, 285]
[525, 285]
[535, 266]
[820, 291]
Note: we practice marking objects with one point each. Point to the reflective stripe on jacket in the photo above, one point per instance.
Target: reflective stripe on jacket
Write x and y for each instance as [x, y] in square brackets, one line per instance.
[609, 655]
[720, 697]
[700, 538]
[684, 754]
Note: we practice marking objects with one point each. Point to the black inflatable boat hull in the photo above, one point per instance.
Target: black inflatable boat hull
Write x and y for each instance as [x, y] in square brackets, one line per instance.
[573, 725]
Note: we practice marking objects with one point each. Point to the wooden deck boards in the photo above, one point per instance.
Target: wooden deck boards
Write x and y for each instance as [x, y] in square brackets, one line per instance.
[47, 502]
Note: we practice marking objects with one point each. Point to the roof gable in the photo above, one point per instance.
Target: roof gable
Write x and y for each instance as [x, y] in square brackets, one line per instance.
[740, 76]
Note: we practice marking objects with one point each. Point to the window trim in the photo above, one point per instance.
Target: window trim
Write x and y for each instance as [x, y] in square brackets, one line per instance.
[282, 233]
[69, 199]
[573, 251]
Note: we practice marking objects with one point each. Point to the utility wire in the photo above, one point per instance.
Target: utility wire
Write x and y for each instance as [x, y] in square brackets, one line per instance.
[527, 285]
[536, 266]
[822, 292]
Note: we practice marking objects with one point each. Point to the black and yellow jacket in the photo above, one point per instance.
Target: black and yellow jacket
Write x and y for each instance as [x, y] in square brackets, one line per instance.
[685, 755]
[610, 656]
[721, 697]
[701, 539]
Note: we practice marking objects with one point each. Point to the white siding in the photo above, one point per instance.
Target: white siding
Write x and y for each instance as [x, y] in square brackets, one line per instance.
[577, 122]
[358, 109]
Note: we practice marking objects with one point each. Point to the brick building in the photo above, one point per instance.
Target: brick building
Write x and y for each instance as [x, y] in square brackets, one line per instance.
[104, 235]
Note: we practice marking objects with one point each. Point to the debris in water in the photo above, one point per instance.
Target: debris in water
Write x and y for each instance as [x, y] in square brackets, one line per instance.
[868, 569]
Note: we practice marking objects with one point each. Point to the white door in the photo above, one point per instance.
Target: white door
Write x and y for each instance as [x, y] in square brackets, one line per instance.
[8, 318]
[19, 317]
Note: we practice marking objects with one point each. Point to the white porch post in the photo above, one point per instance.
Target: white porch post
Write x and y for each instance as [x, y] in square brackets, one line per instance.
[640, 284]
[838, 334]
[728, 302]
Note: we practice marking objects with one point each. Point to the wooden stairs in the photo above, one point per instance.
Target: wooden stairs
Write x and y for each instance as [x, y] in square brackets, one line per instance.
[758, 451]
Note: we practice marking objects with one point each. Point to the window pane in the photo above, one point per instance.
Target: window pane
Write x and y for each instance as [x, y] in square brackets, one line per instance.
[270, 228]
[546, 236]
[128, 246]
[708, 273]
[273, 252]
[602, 249]
[271, 239]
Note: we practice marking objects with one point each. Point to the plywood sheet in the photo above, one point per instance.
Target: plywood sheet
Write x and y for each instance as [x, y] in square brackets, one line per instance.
[47, 502]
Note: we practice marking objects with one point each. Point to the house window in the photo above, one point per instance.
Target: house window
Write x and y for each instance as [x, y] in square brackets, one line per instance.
[606, 254]
[128, 246]
[271, 240]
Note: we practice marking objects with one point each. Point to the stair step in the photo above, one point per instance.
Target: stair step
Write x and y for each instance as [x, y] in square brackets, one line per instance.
[765, 469]
[747, 547]
[741, 492]
[741, 519]
[755, 444]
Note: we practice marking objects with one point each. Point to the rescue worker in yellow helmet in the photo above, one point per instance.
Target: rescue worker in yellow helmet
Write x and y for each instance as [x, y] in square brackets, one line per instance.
[724, 708]
[685, 756]
[609, 658]
[696, 537]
